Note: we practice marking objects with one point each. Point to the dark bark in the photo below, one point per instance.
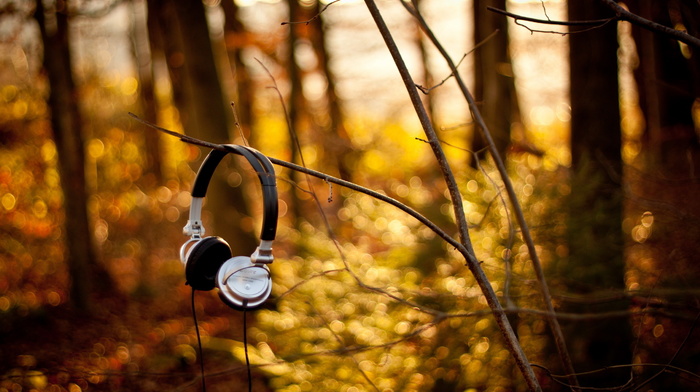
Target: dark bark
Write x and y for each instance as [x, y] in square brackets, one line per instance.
[595, 148]
[494, 85]
[204, 113]
[296, 105]
[144, 64]
[66, 125]
[664, 185]
[428, 81]
[336, 143]
[235, 38]
[667, 82]
[594, 237]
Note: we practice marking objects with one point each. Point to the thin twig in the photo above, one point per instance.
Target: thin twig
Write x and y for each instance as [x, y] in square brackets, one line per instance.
[666, 367]
[238, 124]
[349, 270]
[427, 90]
[544, 8]
[673, 358]
[342, 344]
[318, 15]
[290, 126]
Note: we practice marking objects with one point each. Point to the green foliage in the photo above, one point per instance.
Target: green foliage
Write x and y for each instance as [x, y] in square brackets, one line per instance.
[372, 300]
[381, 303]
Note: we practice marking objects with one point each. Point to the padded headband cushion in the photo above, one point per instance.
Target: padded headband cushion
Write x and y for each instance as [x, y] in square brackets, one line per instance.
[266, 174]
[204, 260]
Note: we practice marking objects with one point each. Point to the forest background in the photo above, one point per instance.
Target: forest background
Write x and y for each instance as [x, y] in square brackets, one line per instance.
[557, 253]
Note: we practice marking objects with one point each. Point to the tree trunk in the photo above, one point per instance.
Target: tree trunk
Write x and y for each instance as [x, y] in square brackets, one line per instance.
[296, 105]
[66, 125]
[336, 143]
[427, 78]
[204, 114]
[664, 188]
[494, 85]
[235, 39]
[594, 237]
[144, 64]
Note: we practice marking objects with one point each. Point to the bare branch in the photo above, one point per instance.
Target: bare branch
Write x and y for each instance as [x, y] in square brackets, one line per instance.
[623, 14]
[665, 367]
[318, 15]
[237, 123]
[620, 14]
[426, 90]
[330, 179]
[673, 358]
[589, 23]
[527, 237]
[511, 341]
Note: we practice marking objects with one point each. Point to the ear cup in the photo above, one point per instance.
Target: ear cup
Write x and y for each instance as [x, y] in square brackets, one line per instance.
[204, 260]
[242, 284]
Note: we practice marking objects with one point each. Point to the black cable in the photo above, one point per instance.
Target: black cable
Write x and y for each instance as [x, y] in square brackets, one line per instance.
[199, 341]
[245, 348]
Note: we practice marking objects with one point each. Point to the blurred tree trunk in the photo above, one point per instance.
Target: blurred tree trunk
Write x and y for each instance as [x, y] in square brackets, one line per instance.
[296, 105]
[427, 77]
[595, 238]
[235, 38]
[66, 125]
[203, 111]
[594, 224]
[664, 187]
[336, 142]
[428, 81]
[144, 64]
[169, 49]
[494, 85]
[144, 59]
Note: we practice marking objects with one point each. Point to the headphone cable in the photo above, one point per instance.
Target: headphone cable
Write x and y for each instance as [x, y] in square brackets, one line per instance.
[199, 341]
[245, 348]
[201, 352]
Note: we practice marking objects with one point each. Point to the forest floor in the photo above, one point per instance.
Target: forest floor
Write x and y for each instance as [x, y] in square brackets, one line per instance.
[148, 344]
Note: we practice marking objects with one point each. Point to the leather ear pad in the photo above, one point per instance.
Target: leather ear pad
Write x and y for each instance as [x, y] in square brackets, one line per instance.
[204, 260]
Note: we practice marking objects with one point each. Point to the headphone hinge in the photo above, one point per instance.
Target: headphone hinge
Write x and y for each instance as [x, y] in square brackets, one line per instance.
[263, 254]
[193, 228]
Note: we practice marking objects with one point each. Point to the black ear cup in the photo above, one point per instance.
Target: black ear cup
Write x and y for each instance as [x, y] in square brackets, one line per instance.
[204, 260]
[243, 284]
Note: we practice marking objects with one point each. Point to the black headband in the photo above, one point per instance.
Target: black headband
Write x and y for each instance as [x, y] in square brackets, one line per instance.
[263, 168]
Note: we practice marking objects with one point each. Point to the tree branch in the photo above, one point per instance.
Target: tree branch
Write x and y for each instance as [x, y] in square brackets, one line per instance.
[318, 15]
[623, 14]
[589, 23]
[511, 341]
[325, 177]
[527, 237]
[620, 14]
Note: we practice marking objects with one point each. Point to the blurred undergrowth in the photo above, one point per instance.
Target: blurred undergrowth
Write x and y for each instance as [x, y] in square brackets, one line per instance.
[373, 301]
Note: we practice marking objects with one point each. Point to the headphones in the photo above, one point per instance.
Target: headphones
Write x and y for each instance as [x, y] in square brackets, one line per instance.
[243, 282]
